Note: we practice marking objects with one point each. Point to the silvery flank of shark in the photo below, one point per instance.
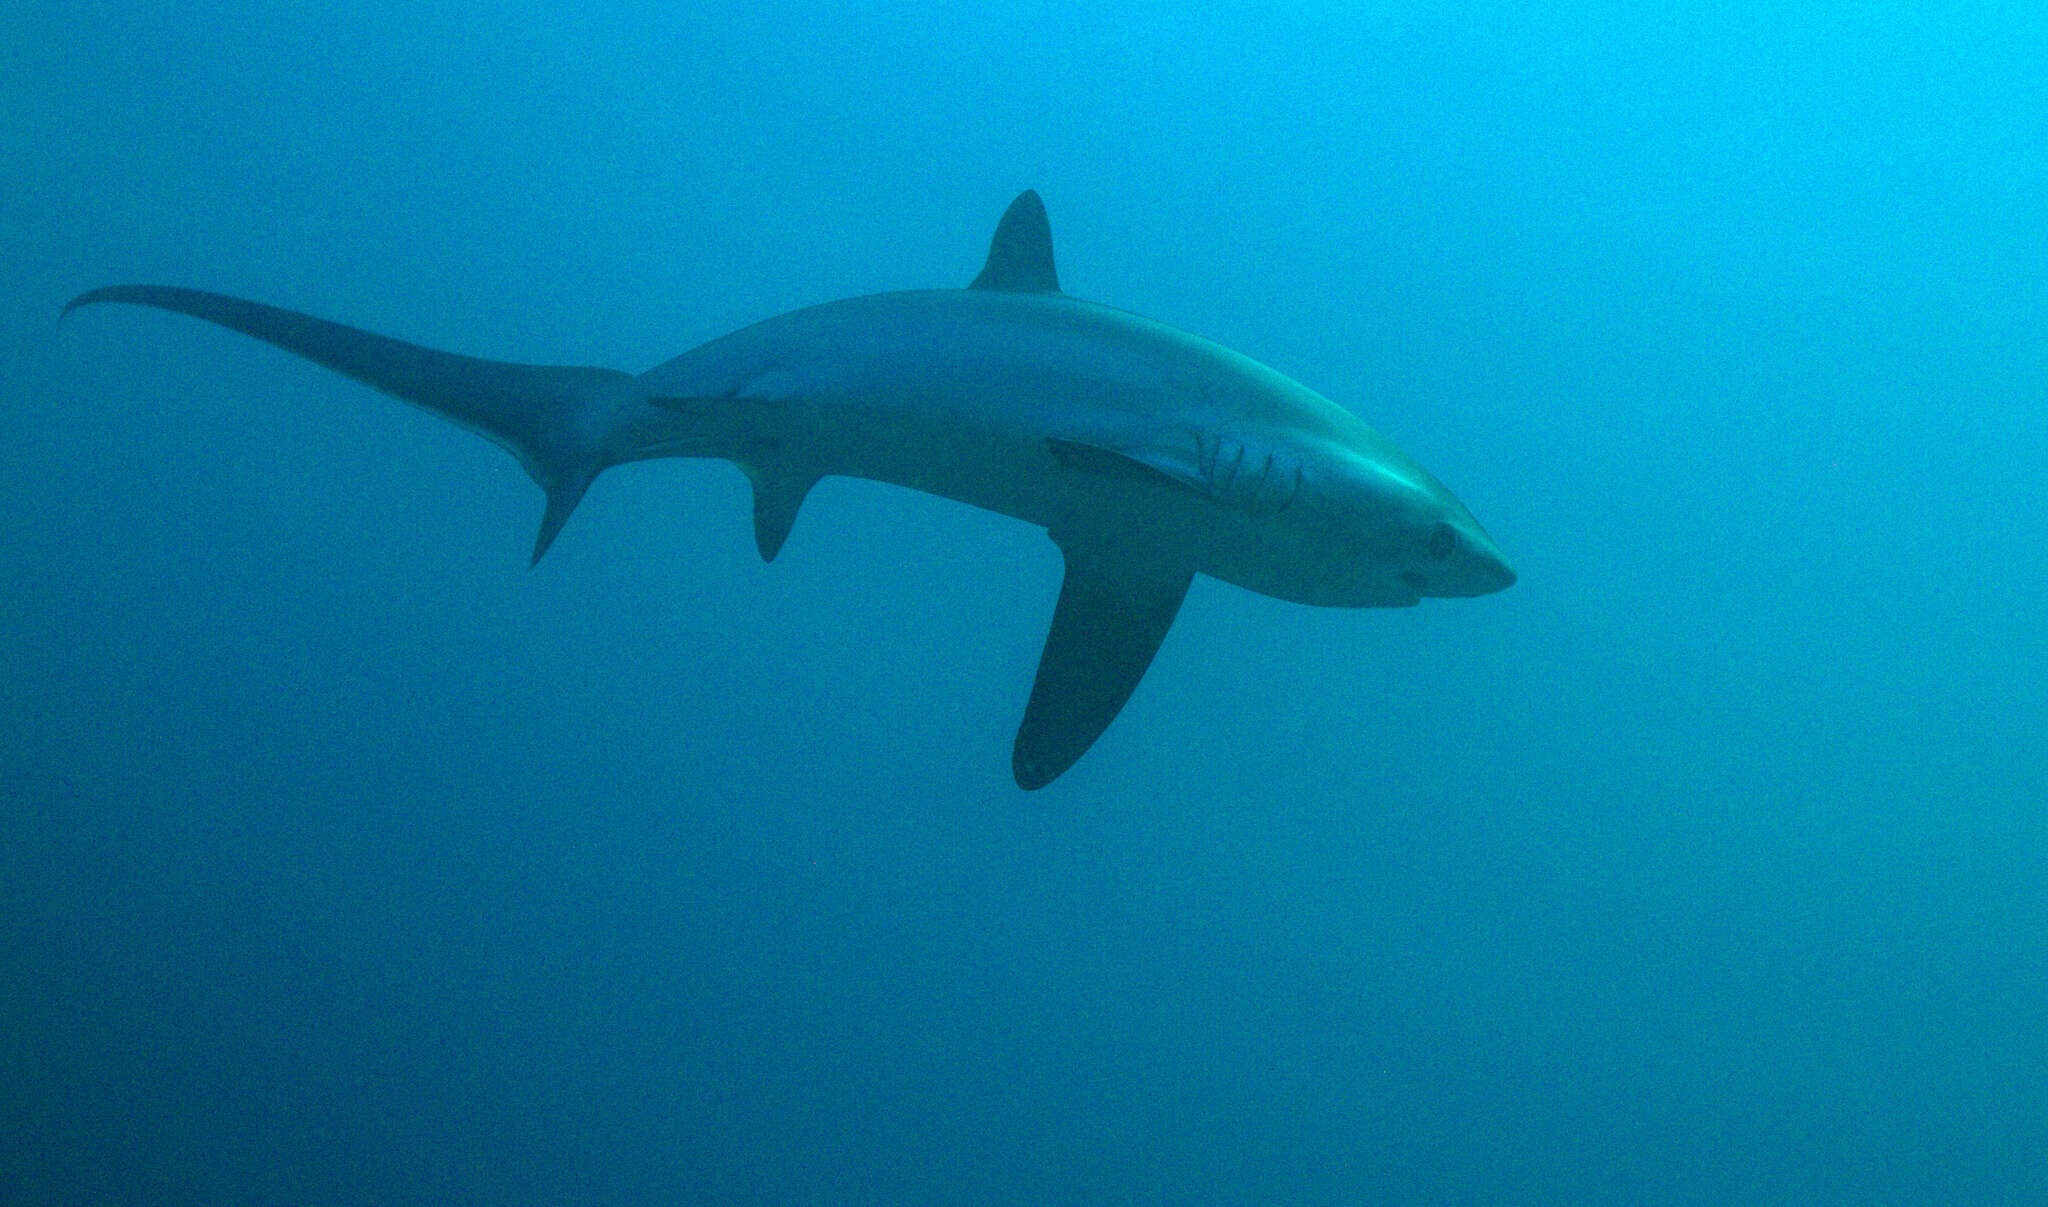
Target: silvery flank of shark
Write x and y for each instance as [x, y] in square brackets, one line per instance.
[1149, 455]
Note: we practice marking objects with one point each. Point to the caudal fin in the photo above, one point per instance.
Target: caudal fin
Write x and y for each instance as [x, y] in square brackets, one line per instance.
[553, 418]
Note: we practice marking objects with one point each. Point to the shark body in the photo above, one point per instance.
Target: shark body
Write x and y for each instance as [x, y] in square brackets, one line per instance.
[1148, 454]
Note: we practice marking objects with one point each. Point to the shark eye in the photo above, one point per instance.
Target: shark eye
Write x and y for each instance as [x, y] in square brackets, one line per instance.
[1442, 540]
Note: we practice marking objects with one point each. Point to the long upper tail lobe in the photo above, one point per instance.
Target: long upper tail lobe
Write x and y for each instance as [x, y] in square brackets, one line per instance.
[555, 419]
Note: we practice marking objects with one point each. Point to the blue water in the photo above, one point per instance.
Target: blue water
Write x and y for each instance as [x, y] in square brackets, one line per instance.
[345, 860]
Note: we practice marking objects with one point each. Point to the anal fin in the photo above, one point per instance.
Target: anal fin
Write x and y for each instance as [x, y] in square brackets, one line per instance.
[564, 489]
[1116, 604]
[778, 495]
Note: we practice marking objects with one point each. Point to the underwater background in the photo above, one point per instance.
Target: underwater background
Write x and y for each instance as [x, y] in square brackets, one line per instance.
[346, 860]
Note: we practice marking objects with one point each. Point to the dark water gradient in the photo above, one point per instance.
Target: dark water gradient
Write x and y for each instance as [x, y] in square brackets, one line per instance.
[344, 860]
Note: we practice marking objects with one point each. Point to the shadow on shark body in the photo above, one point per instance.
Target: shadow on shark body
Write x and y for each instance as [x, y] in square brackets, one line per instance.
[1149, 455]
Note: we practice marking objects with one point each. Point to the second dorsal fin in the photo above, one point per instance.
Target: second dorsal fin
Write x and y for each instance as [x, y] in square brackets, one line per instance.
[1020, 255]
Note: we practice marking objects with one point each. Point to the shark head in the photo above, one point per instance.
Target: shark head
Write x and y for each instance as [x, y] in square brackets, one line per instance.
[1402, 536]
[1459, 559]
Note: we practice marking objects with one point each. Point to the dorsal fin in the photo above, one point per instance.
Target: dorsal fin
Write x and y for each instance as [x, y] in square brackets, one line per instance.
[1020, 255]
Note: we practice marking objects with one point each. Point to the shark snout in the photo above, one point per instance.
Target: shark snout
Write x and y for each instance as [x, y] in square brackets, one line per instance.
[1475, 568]
[1476, 565]
[1493, 574]
[1478, 569]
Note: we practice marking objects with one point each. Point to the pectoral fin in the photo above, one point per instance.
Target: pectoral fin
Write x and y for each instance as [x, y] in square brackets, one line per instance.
[1124, 466]
[1115, 607]
[1215, 465]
